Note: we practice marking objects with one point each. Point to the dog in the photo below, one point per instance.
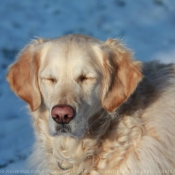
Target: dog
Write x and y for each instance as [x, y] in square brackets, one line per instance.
[95, 109]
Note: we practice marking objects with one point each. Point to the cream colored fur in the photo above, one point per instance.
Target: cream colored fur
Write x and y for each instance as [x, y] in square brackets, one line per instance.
[134, 136]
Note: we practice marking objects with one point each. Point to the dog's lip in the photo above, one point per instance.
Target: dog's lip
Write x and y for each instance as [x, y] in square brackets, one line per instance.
[63, 128]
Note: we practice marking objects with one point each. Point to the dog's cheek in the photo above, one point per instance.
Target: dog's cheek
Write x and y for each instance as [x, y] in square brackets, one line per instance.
[91, 93]
[52, 129]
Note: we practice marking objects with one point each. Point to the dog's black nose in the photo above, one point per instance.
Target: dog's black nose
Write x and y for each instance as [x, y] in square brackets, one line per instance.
[62, 114]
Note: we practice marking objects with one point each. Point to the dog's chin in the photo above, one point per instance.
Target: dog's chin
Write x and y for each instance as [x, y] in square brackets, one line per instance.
[66, 133]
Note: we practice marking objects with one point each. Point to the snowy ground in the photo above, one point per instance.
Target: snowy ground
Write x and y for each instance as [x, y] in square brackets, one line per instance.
[146, 26]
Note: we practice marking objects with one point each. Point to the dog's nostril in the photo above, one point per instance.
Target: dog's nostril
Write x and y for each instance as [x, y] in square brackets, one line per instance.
[62, 114]
[66, 117]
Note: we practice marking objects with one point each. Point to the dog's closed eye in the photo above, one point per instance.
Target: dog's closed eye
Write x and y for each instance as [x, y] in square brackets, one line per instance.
[50, 80]
[83, 78]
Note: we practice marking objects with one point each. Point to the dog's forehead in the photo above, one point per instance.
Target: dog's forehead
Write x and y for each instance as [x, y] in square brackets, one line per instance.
[67, 53]
[60, 57]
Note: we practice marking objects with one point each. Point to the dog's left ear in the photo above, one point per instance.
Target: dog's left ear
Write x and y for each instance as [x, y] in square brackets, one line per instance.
[121, 74]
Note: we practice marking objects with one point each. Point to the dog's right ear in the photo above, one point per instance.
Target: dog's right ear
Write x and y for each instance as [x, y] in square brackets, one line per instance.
[23, 76]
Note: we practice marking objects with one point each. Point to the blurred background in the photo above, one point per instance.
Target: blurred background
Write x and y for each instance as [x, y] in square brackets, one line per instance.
[145, 26]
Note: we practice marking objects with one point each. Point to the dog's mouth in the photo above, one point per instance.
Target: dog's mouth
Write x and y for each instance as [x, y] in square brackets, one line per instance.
[62, 130]
[66, 131]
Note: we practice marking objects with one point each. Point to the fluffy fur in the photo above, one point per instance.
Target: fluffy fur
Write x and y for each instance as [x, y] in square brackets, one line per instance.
[125, 111]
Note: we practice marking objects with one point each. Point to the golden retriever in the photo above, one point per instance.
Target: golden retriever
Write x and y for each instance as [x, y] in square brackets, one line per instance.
[95, 109]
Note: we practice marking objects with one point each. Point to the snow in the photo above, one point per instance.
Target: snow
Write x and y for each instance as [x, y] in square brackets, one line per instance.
[147, 27]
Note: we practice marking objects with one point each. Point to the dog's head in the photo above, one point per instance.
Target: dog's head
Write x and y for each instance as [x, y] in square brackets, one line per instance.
[74, 77]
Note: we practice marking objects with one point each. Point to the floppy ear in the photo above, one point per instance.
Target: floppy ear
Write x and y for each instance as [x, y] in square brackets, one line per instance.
[23, 76]
[121, 75]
